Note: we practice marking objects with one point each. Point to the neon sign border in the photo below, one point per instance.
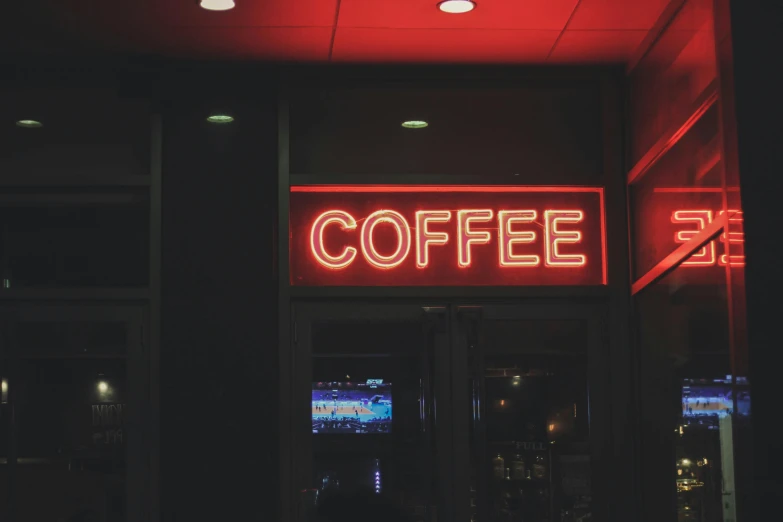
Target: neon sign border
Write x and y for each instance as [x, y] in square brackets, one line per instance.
[402, 189]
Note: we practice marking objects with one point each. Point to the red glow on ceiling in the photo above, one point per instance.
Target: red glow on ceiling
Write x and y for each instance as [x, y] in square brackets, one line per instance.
[377, 31]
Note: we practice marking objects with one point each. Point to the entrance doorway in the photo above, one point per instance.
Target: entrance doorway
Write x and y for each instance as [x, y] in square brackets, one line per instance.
[485, 412]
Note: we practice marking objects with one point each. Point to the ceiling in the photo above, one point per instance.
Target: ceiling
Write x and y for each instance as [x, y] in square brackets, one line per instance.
[356, 31]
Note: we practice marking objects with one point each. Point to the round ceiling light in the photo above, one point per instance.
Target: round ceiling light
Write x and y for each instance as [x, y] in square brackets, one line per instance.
[415, 124]
[217, 5]
[220, 118]
[29, 124]
[457, 6]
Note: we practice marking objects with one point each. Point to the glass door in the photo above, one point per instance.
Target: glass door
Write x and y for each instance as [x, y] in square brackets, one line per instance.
[366, 382]
[537, 384]
[74, 396]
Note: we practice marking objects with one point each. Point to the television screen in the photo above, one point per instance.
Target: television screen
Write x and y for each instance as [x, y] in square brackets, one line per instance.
[705, 401]
[352, 407]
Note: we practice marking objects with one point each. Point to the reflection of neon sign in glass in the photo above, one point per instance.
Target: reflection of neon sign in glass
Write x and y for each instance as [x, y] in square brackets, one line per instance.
[706, 256]
[473, 230]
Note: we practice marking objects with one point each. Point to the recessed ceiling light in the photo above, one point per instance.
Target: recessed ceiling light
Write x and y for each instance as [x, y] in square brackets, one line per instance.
[29, 124]
[217, 5]
[220, 118]
[415, 124]
[457, 6]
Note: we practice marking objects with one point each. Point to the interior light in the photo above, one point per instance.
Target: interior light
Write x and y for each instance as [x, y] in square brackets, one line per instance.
[29, 124]
[217, 5]
[415, 124]
[457, 6]
[220, 118]
[103, 386]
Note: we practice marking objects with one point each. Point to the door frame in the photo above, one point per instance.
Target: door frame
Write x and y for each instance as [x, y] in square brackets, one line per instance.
[452, 344]
[139, 446]
[598, 379]
[303, 315]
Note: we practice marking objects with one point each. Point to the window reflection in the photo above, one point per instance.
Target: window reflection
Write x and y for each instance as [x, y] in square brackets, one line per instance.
[531, 456]
[71, 438]
[691, 401]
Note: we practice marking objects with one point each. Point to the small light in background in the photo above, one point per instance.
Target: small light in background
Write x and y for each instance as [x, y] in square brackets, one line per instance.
[415, 124]
[220, 118]
[457, 6]
[217, 5]
[103, 387]
[4, 391]
[29, 124]
[517, 380]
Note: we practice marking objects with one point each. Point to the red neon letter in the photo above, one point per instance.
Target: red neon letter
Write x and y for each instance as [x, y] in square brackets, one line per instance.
[346, 221]
[705, 256]
[556, 237]
[732, 238]
[425, 238]
[467, 236]
[403, 239]
[508, 238]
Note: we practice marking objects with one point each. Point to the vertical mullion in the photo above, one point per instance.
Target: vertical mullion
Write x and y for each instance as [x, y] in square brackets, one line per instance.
[152, 338]
[460, 418]
[285, 359]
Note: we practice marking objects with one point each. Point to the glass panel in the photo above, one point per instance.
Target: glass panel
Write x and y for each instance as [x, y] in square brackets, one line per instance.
[92, 132]
[531, 459]
[71, 439]
[691, 405]
[519, 135]
[75, 246]
[672, 75]
[373, 413]
[681, 194]
[71, 339]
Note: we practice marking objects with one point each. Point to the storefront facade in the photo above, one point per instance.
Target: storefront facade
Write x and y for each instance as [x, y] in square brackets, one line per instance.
[488, 293]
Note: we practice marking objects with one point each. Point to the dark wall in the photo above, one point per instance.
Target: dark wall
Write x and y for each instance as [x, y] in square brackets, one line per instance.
[219, 430]
[758, 86]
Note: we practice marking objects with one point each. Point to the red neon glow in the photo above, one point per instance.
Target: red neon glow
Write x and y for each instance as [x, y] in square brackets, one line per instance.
[425, 238]
[555, 237]
[468, 237]
[706, 255]
[452, 226]
[347, 222]
[507, 237]
[732, 237]
[369, 250]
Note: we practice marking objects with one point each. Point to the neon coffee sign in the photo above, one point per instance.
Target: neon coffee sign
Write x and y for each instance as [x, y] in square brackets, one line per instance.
[446, 236]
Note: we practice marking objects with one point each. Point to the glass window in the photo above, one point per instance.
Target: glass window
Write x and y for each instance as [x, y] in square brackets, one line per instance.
[84, 132]
[537, 134]
[70, 410]
[680, 195]
[531, 436]
[66, 246]
[692, 403]
[679, 67]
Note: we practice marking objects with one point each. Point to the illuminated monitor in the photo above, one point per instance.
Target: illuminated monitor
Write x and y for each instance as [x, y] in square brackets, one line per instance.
[347, 407]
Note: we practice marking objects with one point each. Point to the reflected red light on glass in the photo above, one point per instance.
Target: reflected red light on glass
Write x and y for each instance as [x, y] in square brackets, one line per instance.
[701, 218]
[568, 238]
[507, 237]
[425, 238]
[707, 255]
[733, 237]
